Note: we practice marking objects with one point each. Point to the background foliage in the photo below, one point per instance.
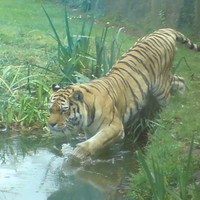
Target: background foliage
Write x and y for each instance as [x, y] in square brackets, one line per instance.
[148, 15]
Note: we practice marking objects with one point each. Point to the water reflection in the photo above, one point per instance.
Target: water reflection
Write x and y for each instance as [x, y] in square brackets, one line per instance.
[31, 168]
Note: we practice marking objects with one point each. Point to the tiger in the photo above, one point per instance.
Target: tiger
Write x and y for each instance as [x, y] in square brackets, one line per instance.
[103, 107]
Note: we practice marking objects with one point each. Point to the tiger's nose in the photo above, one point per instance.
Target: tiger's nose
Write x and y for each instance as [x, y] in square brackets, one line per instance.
[52, 125]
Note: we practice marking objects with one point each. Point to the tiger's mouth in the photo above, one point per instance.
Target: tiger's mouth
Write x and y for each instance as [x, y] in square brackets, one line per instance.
[60, 130]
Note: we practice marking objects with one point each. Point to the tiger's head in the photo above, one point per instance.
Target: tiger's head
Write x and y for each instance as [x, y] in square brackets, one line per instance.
[65, 114]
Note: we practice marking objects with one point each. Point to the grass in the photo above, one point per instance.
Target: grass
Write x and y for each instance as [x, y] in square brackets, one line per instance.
[159, 181]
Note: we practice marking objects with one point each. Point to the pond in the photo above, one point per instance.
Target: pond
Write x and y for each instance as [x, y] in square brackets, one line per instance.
[32, 167]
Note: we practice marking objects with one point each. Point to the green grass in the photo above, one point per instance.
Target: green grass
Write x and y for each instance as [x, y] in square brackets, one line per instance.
[160, 186]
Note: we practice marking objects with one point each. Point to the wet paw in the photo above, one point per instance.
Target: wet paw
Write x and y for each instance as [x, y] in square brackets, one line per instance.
[82, 150]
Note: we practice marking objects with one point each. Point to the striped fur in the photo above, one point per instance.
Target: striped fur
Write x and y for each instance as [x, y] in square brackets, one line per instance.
[103, 107]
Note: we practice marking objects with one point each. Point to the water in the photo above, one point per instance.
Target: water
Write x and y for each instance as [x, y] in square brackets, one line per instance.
[32, 167]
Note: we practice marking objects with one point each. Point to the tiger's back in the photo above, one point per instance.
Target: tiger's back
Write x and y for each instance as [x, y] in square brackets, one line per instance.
[102, 107]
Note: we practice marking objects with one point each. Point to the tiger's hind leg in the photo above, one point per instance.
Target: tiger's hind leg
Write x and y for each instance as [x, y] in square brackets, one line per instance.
[162, 93]
[178, 84]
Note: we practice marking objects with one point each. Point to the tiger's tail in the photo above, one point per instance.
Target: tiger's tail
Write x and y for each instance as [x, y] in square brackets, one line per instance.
[184, 40]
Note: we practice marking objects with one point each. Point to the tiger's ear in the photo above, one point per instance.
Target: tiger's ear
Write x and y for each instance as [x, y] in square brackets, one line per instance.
[78, 95]
[55, 87]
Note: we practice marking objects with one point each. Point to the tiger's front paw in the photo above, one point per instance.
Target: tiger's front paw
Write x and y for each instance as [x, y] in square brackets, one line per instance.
[82, 150]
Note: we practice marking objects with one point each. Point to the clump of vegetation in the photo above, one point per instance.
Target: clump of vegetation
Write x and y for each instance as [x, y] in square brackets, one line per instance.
[24, 97]
[76, 53]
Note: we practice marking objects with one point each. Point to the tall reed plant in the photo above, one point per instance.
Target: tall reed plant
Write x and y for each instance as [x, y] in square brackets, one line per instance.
[73, 55]
[103, 61]
[76, 53]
